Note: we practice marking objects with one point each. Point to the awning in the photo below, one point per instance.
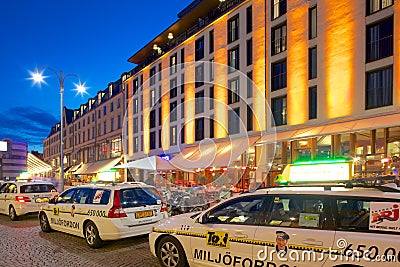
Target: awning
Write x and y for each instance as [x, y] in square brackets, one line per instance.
[98, 166]
[36, 165]
[353, 125]
[74, 168]
[150, 163]
[209, 153]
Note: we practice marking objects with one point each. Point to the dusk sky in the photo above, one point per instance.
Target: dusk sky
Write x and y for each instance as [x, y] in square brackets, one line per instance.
[90, 38]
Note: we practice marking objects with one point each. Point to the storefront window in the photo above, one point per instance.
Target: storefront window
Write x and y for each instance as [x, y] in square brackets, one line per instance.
[323, 147]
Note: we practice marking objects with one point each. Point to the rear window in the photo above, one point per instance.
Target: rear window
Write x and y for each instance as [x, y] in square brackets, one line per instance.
[140, 196]
[37, 188]
[100, 196]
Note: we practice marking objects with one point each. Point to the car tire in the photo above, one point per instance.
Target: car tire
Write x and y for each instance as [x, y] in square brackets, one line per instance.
[44, 222]
[170, 253]
[92, 236]
[12, 213]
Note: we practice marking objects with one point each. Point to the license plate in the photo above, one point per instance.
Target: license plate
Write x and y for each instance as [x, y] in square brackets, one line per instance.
[42, 199]
[143, 214]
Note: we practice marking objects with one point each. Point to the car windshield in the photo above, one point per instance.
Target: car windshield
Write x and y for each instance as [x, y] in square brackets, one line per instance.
[140, 196]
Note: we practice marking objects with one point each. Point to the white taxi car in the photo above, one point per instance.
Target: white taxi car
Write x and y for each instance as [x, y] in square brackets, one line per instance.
[20, 198]
[104, 212]
[331, 226]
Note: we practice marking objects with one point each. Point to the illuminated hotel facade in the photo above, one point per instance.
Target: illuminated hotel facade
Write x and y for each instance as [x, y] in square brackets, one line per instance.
[327, 69]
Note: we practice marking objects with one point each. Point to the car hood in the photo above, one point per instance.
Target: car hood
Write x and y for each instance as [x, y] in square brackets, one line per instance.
[176, 222]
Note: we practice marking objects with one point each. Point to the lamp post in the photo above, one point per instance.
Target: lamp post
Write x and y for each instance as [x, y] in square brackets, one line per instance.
[38, 77]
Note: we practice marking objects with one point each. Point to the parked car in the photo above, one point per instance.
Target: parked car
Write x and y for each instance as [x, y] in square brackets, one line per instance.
[313, 226]
[104, 212]
[20, 198]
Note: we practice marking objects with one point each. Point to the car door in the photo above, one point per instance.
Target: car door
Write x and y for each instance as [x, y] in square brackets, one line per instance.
[3, 191]
[227, 229]
[296, 231]
[63, 213]
[367, 231]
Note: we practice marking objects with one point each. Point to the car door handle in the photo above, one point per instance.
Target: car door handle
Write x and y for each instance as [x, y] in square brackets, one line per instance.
[313, 242]
[240, 235]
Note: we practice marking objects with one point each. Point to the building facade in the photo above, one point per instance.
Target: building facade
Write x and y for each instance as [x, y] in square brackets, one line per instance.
[13, 159]
[92, 137]
[327, 70]
[289, 80]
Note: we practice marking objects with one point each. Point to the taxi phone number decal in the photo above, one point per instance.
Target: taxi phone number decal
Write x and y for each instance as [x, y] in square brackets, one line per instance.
[97, 213]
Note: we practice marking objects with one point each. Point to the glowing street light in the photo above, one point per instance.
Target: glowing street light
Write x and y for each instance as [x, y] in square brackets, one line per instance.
[38, 78]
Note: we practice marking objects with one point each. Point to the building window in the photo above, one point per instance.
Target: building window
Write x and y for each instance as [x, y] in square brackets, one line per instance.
[233, 29]
[199, 102]
[111, 106]
[173, 136]
[199, 48]
[278, 8]
[199, 75]
[152, 97]
[173, 61]
[119, 121]
[312, 63]
[211, 96]
[312, 102]
[118, 103]
[233, 59]
[159, 116]
[136, 144]
[104, 111]
[234, 121]
[278, 39]
[279, 110]
[233, 91]
[135, 86]
[312, 22]
[135, 107]
[159, 138]
[105, 127]
[249, 118]
[152, 140]
[379, 88]
[159, 72]
[211, 70]
[278, 75]
[380, 40]
[211, 126]
[182, 83]
[152, 119]
[153, 72]
[173, 90]
[376, 5]
[172, 111]
[199, 129]
[249, 52]
[211, 41]
[182, 58]
[182, 133]
[249, 84]
[182, 108]
[135, 125]
[112, 124]
[249, 19]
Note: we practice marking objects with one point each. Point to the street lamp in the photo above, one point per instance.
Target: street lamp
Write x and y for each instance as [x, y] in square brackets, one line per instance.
[38, 78]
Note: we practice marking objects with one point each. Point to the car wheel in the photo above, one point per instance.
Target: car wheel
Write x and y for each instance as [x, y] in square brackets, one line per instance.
[170, 253]
[13, 214]
[44, 222]
[92, 235]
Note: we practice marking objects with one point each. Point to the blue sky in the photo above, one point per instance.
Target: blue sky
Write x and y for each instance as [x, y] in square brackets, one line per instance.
[90, 38]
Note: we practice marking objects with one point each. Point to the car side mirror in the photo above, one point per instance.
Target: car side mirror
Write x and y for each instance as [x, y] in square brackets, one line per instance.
[203, 219]
[52, 201]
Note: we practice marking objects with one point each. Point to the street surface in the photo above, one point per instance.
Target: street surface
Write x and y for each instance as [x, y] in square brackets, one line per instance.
[22, 243]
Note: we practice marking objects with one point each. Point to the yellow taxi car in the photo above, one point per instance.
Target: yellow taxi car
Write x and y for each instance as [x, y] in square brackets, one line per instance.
[333, 226]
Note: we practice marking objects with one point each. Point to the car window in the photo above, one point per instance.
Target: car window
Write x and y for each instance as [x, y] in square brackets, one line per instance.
[139, 196]
[353, 213]
[81, 196]
[3, 188]
[297, 211]
[66, 197]
[11, 188]
[37, 188]
[244, 210]
[99, 196]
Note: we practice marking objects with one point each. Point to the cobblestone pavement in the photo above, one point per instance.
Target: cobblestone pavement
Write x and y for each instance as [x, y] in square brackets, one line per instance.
[22, 243]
